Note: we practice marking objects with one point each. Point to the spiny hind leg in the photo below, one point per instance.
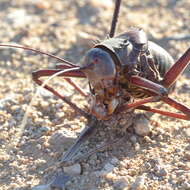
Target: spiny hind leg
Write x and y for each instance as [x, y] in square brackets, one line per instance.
[176, 70]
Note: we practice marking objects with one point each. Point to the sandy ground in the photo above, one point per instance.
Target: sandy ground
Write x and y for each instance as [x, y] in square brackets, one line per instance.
[29, 153]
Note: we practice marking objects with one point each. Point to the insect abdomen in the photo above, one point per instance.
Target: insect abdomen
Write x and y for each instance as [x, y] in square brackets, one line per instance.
[162, 58]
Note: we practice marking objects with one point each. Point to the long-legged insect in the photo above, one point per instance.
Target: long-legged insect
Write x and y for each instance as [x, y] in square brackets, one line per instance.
[113, 60]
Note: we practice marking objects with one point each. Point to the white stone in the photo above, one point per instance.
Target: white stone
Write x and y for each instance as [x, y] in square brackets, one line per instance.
[73, 170]
[61, 139]
[187, 132]
[142, 126]
[42, 187]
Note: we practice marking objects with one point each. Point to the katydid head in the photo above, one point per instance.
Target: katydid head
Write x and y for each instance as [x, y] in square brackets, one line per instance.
[98, 65]
[100, 69]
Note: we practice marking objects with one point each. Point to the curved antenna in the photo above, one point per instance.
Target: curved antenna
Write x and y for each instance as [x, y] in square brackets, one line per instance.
[37, 51]
[114, 18]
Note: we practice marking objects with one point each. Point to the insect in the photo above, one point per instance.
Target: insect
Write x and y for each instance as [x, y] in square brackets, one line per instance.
[124, 72]
[121, 67]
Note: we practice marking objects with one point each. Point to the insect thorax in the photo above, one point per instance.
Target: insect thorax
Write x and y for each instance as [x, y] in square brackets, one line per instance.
[132, 57]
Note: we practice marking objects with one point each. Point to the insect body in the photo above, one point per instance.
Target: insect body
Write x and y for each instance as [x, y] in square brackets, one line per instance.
[110, 65]
[119, 70]
[124, 72]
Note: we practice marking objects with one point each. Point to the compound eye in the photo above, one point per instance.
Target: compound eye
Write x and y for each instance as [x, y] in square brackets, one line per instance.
[95, 61]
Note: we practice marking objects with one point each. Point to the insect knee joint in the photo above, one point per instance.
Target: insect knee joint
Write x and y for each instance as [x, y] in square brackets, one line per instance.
[163, 92]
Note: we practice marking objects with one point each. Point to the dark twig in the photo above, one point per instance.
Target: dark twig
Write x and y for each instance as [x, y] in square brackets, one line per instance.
[114, 18]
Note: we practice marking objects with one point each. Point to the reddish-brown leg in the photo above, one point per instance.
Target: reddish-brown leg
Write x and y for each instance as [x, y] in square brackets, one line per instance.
[166, 113]
[77, 87]
[146, 84]
[74, 72]
[176, 70]
[77, 74]
[70, 81]
[138, 103]
[158, 92]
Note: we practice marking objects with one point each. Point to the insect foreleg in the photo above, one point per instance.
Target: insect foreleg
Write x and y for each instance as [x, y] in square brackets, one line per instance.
[49, 72]
[159, 93]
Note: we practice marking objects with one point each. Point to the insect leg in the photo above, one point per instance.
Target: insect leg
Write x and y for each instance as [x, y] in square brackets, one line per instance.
[77, 87]
[70, 81]
[176, 70]
[138, 103]
[115, 17]
[158, 92]
[148, 85]
[166, 113]
[178, 106]
[48, 72]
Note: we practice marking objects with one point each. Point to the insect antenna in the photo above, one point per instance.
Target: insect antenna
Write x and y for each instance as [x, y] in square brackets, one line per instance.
[114, 18]
[16, 139]
[20, 129]
[37, 51]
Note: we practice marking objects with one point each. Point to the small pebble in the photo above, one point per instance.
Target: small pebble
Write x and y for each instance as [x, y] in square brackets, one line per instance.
[187, 155]
[121, 183]
[18, 17]
[39, 146]
[139, 183]
[114, 161]
[43, 5]
[108, 167]
[101, 4]
[111, 176]
[132, 172]
[137, 147]
[142, 126]
[186, 185]
[73, 170]
[60, 140]
[147, 165]
[44, 129]
[187, 132]
[147, 139]
[133, 139]
[160, 171]
[42, 187]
